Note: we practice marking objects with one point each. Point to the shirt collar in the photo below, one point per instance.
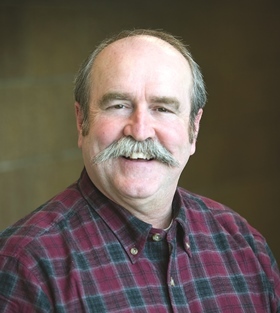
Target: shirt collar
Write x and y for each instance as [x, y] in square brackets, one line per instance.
[131, 232]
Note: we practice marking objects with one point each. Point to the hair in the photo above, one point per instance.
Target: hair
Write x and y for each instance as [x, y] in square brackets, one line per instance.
[83, 78]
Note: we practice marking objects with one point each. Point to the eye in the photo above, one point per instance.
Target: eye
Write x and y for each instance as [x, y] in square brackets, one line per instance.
[117, 106]
[163, 110]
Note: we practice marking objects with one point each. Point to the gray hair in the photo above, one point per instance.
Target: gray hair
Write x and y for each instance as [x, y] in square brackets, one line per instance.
[83, 77]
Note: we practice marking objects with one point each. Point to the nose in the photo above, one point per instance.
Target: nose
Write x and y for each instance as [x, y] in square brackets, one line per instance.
[140, 125]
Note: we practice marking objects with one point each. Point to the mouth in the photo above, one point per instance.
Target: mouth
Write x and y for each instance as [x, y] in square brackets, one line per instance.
[139, 156]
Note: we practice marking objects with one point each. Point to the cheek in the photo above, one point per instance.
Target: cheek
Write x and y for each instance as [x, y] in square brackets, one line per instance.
[103, 133]
[176, 137]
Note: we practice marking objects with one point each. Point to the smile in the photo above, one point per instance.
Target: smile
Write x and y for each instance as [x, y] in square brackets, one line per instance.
[139, 156]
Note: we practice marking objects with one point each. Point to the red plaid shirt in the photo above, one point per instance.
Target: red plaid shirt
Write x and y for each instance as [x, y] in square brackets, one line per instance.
[80, 252]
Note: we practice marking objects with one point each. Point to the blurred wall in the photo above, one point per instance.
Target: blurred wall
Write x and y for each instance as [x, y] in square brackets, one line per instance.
[237, 45]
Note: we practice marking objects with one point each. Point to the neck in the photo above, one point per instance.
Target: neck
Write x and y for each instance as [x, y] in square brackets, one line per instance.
[154, 213]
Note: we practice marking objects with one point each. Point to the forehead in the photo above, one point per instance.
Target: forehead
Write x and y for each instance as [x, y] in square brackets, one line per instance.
[142, 48]
[141, 64]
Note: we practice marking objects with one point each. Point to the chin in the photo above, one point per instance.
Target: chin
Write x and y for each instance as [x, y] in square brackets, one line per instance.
[138, 191]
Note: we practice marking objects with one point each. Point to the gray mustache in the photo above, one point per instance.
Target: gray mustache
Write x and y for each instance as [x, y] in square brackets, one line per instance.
[126, 146]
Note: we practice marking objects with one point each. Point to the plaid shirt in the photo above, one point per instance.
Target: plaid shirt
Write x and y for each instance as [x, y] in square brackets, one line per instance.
[80, 252]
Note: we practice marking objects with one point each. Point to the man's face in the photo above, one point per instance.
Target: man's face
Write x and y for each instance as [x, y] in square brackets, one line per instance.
[140, 89]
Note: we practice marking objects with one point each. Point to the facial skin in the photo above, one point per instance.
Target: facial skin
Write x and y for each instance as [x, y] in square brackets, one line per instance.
[140, 88]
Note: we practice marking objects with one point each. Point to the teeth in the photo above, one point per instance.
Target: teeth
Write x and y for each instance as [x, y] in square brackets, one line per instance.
[139, 155]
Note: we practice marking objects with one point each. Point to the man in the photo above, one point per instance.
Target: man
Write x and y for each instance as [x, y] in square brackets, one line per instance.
[125, 238]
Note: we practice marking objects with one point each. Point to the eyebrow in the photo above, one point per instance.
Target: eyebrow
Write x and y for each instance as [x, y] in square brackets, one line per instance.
[166, 100]
[111, 96]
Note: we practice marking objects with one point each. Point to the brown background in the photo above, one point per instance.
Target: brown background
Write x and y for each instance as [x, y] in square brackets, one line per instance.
[236, 43]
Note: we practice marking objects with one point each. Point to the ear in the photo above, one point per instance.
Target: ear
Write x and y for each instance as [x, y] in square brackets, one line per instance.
[197, 122]
[196, 125]
[79, 123]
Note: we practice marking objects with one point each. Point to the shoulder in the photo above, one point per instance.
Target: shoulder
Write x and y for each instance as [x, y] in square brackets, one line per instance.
[213, 225]
[215, 216]
[208, 218]
[46, 221]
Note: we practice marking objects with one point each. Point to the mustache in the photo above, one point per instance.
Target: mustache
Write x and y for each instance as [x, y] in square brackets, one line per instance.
[127, 147]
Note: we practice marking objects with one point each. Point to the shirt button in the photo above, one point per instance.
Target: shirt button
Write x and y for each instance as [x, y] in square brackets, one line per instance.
[133, 251]
[156, 237]
[188, 245]
[172, 283]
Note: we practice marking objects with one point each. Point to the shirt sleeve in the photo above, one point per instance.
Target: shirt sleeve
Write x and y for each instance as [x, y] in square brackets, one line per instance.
[271, 269]
[275, 280]
[20, 291]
